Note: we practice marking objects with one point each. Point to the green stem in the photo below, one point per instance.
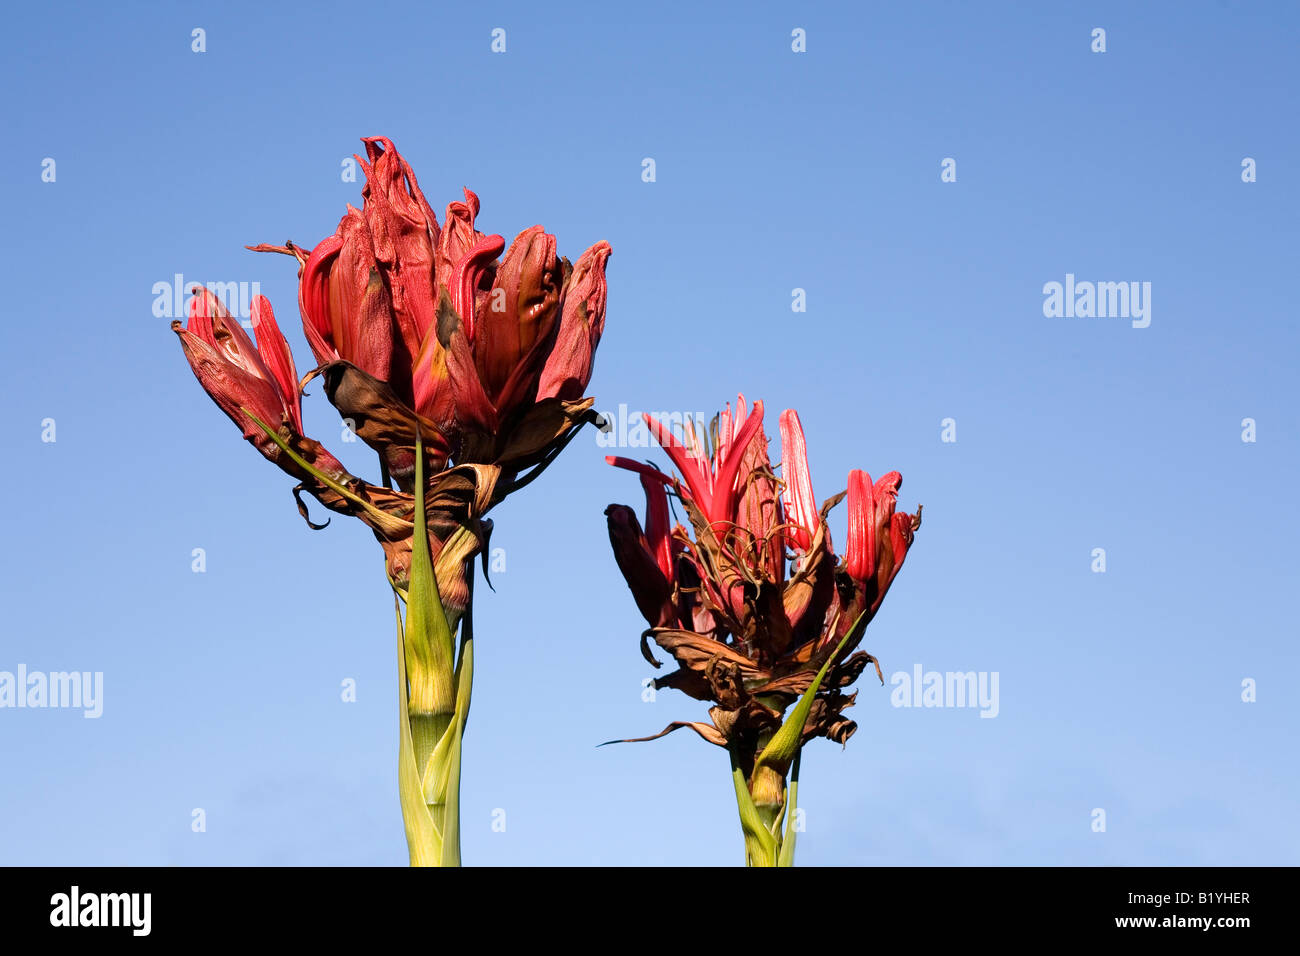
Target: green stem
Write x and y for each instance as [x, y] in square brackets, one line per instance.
[760, 845]
[423, 839]
[786, 857]
[435, 692]
[464, 688]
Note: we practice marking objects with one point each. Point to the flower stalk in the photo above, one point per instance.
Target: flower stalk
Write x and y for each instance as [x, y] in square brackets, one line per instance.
[434, 689]
[462, 362]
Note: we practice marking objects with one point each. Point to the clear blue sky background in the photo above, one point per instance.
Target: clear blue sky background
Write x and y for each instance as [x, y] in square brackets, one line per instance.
[775, 170]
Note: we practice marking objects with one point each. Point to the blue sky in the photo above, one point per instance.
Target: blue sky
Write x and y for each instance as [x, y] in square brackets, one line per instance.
[775, 171]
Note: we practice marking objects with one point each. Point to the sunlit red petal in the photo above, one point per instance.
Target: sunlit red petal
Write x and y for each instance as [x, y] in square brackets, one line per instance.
[860, 555]
[801, 506]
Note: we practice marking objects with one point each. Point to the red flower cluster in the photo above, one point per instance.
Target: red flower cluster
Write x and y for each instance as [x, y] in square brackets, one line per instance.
[753, 598]
[420, 330]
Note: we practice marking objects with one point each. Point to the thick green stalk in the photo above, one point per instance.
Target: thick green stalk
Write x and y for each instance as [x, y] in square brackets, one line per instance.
[435, 694]
[767, 786]
[786, 855]
[423, 839]
[760, 844]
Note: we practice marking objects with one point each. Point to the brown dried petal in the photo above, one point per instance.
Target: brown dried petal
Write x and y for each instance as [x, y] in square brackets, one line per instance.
[375, 414]
[695, 652]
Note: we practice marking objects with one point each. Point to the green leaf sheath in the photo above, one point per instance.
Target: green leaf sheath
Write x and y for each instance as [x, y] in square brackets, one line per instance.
[760, 845]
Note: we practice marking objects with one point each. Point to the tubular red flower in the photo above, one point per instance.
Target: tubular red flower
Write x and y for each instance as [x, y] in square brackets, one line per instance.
[860, 554]
[801, 506]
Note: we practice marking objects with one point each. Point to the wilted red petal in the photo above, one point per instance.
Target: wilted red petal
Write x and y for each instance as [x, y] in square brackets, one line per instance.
[522, 310]
[382, 146]
[465, 280]
[275, 354]
[200, 318]
[289, 249]
[458, 237]
[431, 382]
[212, 321]
[658, 530]
[582, 322]
[360, 310]
[314, 298]
[644, 578]
[234, 388]
[900, 530]
[404, 233]
[886, 499]
[473, 408]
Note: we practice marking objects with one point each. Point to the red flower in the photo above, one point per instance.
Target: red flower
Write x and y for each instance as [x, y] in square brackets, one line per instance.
[467, 339]
[745, 635]
[244, 378]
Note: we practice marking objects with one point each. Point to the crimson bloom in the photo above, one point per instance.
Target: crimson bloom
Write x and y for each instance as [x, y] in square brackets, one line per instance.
[488, 353]
[421, 331]
[750, 599]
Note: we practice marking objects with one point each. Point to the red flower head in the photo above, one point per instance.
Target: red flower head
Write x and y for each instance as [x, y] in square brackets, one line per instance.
[489, 353]
[747, 635]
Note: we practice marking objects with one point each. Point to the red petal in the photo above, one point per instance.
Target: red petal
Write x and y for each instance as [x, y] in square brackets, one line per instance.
[473, 408]
[657, 526]
[724, 481]
[860, 555]
[314, 298]
[466, 278]
[582, 323]
[275, 353]
[800, 503]
[686, 463]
